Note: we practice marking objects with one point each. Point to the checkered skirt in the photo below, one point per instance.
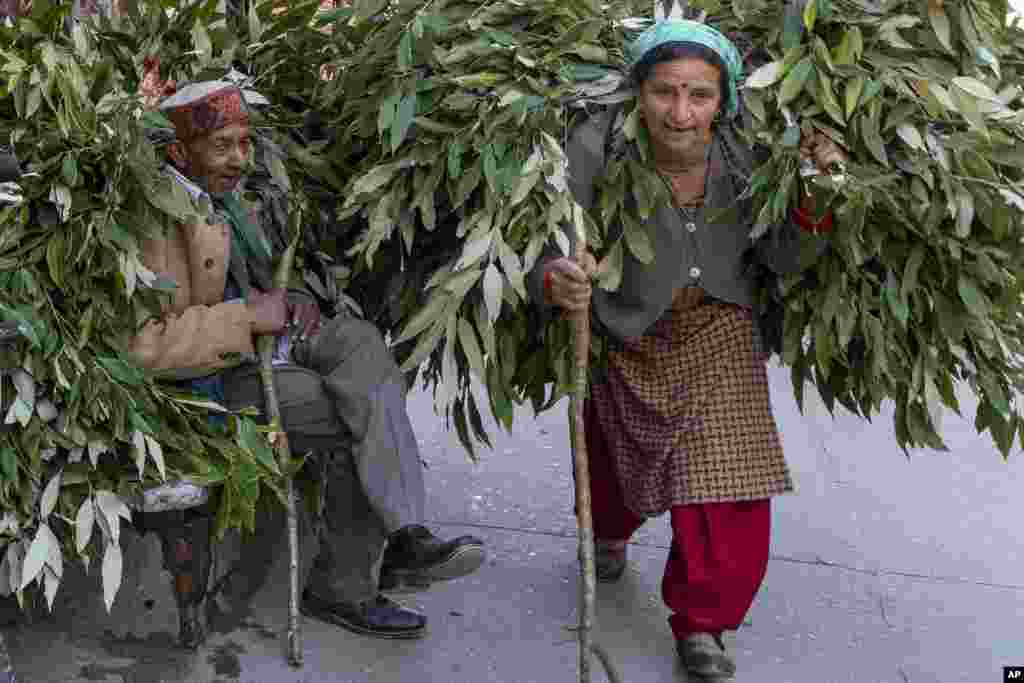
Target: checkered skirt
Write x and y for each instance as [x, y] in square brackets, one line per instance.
[686, 413]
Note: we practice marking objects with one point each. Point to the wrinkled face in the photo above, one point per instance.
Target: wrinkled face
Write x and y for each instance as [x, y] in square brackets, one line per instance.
[217, 161]
[678, 102]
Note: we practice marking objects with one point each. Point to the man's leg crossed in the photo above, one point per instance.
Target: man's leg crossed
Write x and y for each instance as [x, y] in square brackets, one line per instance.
[342, 585]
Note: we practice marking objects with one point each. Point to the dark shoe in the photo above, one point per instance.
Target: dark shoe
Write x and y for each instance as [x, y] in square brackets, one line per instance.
[377, 617]
[703, 654]
[416, 558]
[609, 560]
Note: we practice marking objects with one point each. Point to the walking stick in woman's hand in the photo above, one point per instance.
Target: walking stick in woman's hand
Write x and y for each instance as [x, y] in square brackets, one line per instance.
[584, 518]
[284, 455]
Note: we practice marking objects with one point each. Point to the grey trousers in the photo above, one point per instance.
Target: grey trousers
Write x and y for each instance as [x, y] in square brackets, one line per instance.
[343, 399]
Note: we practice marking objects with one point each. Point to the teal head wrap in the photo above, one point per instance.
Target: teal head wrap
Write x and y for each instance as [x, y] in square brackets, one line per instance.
[684, 31]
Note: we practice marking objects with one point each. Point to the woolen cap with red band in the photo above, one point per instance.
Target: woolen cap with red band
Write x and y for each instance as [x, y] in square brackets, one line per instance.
[201, 108]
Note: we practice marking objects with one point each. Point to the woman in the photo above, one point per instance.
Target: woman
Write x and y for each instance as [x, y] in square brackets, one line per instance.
[680, 422]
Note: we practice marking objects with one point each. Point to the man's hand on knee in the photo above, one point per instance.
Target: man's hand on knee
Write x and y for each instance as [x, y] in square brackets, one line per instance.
[304, 319]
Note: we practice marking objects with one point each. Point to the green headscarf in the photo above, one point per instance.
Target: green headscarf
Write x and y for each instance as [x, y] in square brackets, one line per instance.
[685, 31]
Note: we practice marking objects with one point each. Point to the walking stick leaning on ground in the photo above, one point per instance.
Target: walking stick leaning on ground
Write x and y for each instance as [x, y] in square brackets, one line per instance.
[581, 351]
[284, 454]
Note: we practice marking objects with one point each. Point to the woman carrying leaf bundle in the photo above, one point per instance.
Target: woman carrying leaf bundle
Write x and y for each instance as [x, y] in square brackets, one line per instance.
[680, 420]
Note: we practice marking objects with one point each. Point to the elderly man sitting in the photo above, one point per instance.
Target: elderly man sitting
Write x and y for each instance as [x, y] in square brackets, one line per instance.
[342, 396]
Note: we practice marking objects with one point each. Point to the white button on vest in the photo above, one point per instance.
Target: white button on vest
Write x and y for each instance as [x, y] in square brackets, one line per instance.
[695, 273]
[691, 227]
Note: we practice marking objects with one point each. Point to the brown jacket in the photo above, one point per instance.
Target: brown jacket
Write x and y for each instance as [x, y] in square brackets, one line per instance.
[199, 333]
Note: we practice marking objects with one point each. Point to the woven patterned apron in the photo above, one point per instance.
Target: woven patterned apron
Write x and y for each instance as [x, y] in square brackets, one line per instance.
[686, 413]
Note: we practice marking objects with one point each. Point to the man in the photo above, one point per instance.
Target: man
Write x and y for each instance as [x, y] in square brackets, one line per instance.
[342, 396]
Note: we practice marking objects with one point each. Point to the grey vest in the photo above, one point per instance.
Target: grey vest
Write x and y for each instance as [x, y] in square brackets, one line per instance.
[717, 257]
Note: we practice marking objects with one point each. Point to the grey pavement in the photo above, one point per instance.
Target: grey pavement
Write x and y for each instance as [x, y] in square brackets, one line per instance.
[884, 570]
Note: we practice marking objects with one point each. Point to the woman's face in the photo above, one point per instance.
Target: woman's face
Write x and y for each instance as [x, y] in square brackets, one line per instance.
[678, 102]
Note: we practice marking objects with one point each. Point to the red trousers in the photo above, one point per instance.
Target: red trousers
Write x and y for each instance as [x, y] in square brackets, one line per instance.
[719, 551]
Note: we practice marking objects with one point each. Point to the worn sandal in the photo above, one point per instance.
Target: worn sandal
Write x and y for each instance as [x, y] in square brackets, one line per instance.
[609, 560]
[703, 654]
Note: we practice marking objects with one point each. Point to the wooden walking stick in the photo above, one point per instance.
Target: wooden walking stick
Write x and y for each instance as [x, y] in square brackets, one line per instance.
[284, 454]
[584, 518]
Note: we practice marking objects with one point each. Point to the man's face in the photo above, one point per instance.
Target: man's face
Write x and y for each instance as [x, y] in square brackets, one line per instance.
[217, 161]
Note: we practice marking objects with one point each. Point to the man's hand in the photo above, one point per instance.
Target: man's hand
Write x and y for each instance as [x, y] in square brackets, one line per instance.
[267, 311]
[304, 319]
[567, 285]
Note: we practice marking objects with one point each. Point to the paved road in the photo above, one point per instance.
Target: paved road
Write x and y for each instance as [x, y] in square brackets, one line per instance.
[884, 570]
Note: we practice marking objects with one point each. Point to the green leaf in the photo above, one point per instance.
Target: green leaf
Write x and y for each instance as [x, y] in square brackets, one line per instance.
[69, 171]
[638, 240]
[965, 213]
[471, 347]
[201, 40]
[386, 113]
[976, 89]
[609, 270]
[455, 159]
[122, 371]
[850, 48]
[940, 23]
[854, 88]
[113, 571]
[873, 139]
[475, 248]
[975, 300]
[826, 97]
[896, 303]
[871, 89]
[404, 115]
[55, 259]
[250, 438]
[791, 137]
[9, 464]
[793, 83]
[793, 26]
[424, 317]
[372, 181]
[48, 500]
[405, 55]
[36, 556]
[910, 273]
[767, 75]
[810, 14]
[84, 521]
[492, 292]
[910, 135]
[255, 26]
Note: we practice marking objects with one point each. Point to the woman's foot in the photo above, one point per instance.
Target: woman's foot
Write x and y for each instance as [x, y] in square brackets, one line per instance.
[703, 654]
[609, 560]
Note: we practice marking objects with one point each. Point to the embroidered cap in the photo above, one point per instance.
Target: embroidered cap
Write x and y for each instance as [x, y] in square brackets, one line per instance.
[201, 108]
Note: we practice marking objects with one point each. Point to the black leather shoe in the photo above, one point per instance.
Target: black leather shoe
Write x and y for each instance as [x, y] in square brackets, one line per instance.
[609, 561]
[377, 617]
[416, 558]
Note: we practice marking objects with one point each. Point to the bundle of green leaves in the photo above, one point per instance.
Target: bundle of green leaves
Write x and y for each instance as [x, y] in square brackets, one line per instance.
[453, 152]
[85, 431]
[453, 179]
[921, 289]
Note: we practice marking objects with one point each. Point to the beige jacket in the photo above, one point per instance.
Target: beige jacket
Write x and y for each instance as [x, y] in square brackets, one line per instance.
[199, 333]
